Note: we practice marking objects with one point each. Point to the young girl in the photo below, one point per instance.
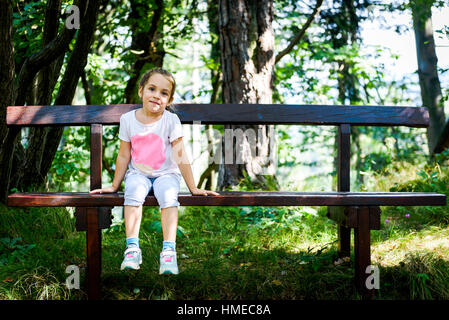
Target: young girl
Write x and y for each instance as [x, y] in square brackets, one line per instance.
[152, 155]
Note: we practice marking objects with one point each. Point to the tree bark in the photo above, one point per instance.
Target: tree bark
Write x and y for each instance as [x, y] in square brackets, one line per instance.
[146, 40]
[44, 142]
[427, 70]
[27, 172]
[247, 64]
[44, 57]
[12, 152]
[247, 60]
[7, 136]
[209, 176]
[75, 68]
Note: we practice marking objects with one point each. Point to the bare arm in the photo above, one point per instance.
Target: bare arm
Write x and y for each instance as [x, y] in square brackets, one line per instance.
[183, 162]
[121, 164]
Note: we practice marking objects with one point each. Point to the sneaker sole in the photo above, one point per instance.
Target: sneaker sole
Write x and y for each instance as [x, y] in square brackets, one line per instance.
[168, 272]
[131, 266]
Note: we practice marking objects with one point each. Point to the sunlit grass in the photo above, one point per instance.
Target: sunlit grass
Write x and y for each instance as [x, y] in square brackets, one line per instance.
[235, 252]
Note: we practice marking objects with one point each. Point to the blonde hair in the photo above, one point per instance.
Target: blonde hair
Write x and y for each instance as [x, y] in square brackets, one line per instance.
[164, 73]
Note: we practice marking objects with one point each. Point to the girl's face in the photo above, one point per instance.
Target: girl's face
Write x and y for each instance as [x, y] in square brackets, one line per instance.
[156, 94]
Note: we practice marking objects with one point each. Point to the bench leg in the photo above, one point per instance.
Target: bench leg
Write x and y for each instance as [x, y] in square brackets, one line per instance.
[344, 241]
[93, 239]
[93, 220]
[339, 215]
[362, 251]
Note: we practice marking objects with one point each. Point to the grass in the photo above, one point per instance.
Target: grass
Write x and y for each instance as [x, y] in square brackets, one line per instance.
[235, 252]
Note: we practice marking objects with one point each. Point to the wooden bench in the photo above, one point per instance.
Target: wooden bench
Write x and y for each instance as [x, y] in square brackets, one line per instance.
[352, 210]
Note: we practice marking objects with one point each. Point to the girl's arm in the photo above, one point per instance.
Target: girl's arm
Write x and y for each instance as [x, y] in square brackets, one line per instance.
[121, 164]
[183, 162]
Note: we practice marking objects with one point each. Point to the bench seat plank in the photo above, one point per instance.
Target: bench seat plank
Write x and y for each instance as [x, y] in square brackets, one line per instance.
[237, 198]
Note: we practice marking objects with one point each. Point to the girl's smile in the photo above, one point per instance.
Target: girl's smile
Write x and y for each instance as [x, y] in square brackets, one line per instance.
[156, 95]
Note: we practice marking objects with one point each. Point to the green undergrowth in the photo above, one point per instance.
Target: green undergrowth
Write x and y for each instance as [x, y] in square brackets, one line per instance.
[237, 252]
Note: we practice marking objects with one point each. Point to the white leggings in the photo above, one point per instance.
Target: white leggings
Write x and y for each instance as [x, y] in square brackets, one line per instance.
[165, 187]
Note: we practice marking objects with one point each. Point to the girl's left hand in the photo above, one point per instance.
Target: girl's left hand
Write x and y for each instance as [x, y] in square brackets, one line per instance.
[201, 192]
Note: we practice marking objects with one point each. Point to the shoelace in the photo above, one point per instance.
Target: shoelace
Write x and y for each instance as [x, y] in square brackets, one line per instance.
[167, 257]
[131, 254]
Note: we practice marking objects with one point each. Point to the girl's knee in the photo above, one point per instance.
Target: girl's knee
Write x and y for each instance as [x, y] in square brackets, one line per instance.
[133, 208]
[169, 209]
[136, 191]
[166, 189]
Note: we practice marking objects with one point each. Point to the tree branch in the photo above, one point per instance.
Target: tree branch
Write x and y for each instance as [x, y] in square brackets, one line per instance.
[43, 58]
[147, 43]
[300, 34]
[78, 59]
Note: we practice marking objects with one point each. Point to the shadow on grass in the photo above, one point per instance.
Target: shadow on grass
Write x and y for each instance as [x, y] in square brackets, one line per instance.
[247, 274]
[222, 259]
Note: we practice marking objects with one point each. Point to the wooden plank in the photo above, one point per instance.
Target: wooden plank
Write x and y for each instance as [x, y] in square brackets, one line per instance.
[79, 115]
[80, 219]
[236, 198]
[374, 218]
[344, 184]
[338, 214]
[344, 241]
[352, 219]
[93, 240]
[362, 252]
[93, 234]
[344, 157]
[104, 218]
[96, 155]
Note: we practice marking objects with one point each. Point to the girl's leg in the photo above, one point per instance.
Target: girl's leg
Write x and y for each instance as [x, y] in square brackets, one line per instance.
[133, 217]
[136, 188]
[133, 256]
[169, 222]
[166, 190]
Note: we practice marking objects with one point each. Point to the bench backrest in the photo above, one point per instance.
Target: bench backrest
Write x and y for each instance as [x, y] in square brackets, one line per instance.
[226, 114]
[342, 116]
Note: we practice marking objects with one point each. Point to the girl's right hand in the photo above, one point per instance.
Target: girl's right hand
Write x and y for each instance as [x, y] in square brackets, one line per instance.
[110, 189]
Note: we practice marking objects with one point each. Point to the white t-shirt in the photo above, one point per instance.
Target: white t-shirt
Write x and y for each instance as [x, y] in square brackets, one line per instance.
[151, 150]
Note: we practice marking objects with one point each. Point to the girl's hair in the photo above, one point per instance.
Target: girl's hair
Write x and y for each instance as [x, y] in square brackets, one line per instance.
[164, 73]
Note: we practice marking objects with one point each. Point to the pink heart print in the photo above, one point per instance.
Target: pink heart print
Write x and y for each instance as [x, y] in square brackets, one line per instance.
[148, 152]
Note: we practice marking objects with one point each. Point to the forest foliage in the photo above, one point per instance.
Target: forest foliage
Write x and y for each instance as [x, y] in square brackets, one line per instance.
[310, 73]
[331, 64]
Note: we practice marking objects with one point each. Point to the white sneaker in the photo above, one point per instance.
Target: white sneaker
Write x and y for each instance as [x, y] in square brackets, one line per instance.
[168, 262]
[132, 258]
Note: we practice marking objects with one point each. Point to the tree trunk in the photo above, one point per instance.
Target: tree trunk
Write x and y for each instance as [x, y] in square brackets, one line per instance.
[345, 35]
[146, 39]
[12, 153]
[7, 136]
[44, 142]
[247, 60]
[209, 176]
[27, 172]
[427, 69]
